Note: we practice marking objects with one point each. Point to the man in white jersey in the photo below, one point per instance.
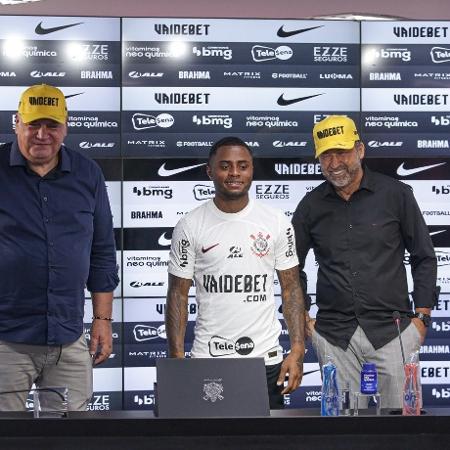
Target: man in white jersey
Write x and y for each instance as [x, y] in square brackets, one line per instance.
[231, 246]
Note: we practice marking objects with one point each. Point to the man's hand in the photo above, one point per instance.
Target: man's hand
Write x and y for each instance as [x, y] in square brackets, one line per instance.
[292, 366]
[100, 346]
[421, 328]
[309, 325]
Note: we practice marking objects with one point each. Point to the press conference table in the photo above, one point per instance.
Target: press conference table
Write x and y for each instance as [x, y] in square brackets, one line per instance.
[288, 429]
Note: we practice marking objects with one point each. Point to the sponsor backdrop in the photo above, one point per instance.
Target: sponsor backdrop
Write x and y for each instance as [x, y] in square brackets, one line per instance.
[148, 97]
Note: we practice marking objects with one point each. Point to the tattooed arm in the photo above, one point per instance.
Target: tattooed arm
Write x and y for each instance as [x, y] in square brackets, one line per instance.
[294, 315]
[177, 314]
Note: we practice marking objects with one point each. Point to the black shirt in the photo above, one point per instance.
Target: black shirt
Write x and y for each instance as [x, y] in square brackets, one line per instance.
[359, 246]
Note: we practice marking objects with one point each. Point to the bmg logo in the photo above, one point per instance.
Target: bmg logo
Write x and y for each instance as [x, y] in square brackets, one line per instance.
[443, 393]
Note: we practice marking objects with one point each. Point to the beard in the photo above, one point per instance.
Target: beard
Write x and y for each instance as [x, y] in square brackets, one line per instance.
[343, 175]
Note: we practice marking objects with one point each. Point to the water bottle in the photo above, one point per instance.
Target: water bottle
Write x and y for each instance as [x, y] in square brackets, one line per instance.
[369, 379]
[330, 392]
[412, 399]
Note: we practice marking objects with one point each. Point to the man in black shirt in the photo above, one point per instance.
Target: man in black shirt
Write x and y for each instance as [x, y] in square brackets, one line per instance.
[359, 224]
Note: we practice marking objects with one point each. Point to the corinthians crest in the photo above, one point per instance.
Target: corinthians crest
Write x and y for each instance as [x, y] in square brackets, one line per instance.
[260, 245]
[213, 390]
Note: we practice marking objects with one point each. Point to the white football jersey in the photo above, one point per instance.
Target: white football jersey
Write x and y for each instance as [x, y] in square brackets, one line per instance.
[232, 258]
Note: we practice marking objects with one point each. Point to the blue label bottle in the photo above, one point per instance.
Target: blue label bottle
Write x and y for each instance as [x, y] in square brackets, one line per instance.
[330, 392]
[369, 379]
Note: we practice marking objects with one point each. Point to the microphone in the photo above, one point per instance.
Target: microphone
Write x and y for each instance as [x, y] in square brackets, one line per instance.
[396, 317]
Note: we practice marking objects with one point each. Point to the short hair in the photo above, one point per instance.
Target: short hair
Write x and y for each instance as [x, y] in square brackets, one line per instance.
[226, 141]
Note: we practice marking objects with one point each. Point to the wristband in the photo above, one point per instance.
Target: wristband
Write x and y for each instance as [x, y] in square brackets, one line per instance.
[110, 319]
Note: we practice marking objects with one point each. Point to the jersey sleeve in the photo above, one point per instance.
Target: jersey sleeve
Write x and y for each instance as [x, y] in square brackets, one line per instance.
[182, 253]
[285, 254]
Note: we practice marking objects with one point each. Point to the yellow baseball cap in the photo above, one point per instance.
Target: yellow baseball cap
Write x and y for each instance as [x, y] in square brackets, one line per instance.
[42, 101]
[334, 132]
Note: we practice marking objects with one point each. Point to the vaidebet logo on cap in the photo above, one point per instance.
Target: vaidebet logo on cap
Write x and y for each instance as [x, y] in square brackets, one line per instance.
[42, 102]
[334, 132]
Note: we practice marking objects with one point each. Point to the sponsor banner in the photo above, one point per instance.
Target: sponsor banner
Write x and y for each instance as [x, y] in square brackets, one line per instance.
[143, 260]
[94, 145]
[152, 309]
[144, 284]
[405, 32]
[243, 30]
[140, 400]
[435, 350]
[60, 28]
[93, 122]
[440, 326]
[83, 99]
[410, 145]
[239, 99]
[405, 99]
[236, 56]
[442, 307]
[436, 396]
[412, 168]
[147, 238]
[435, 372]
[105, 401]
[405, 122]
[61, 74]
[198, 144]
[430, 192]
[141, 193]
[412, 76]
[137, 355]
[305, 397]
[194, 169]
[245, 74]
[138, 123]
[151, 332]
[376, 59]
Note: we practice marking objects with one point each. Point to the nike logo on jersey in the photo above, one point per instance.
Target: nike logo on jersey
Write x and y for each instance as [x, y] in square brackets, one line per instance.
[41, 30]
[283, 102]
[401, 171]
[163, 172]
[282, 33]
[207, 249]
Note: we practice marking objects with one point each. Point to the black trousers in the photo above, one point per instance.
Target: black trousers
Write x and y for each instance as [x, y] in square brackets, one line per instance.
[276, 400]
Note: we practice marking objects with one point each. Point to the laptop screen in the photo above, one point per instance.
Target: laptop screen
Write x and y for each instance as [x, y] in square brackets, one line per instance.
[211, 387]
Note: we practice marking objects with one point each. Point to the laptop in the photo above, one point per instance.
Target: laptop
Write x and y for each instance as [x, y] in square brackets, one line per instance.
[211, 387]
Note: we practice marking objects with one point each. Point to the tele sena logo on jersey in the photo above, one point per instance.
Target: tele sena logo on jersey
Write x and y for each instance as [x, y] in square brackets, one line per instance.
[220, 346]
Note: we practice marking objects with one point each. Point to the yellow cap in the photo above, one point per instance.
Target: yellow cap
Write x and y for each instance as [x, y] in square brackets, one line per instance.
[334, 132]
[42, 102]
